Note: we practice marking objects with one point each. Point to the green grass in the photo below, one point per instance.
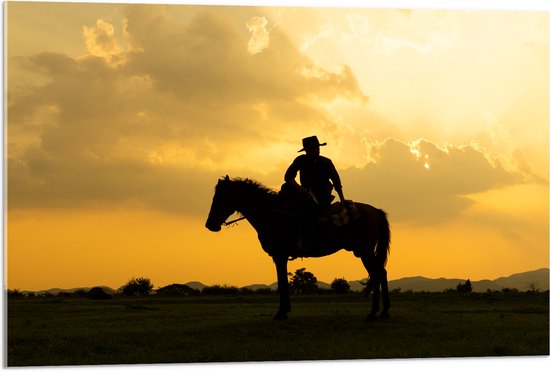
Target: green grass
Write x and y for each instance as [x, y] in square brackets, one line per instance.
[321, 327]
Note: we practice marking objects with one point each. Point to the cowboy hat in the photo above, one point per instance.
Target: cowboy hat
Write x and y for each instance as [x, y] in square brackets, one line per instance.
[311, 142]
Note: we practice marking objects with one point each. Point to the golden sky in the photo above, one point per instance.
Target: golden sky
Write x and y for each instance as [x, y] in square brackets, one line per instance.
[121, 118]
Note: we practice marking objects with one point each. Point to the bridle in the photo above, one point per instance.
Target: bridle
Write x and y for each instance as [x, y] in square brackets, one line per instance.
[233, 221]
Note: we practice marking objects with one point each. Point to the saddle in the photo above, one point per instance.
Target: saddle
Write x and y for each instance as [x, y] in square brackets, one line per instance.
[340, 214]
[306, 207]
[311, 222]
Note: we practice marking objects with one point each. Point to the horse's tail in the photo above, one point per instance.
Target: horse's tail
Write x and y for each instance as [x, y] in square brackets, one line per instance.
[384, 238]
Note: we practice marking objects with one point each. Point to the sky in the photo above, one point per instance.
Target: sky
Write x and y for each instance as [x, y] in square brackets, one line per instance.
[122, 117]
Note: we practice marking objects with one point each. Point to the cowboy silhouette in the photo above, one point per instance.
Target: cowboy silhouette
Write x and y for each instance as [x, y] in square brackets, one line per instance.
[317, 173]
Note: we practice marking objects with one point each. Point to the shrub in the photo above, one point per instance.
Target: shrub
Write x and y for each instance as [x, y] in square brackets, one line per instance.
[220, 290]
[508, 290]
[246, 291]
[138, 286]
[464, 288]
[97, 293]
[533, 287]
[176, 289]
[340, 286]
[12, 294]
[303, 282]
[81, 293]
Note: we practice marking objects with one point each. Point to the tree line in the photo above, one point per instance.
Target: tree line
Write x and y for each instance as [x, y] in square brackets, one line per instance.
[301, 281]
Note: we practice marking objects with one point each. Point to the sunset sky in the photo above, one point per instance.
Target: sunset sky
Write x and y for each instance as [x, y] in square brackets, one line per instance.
[122, 117]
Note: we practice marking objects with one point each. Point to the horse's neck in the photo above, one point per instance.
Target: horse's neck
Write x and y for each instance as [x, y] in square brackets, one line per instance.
[256, 210]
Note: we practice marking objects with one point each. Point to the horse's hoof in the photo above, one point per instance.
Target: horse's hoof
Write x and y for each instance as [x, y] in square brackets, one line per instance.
[371, 317]
[385, 315]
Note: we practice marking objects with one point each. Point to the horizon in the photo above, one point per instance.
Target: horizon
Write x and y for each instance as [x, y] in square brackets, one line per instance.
[122, 117]
[155, 286]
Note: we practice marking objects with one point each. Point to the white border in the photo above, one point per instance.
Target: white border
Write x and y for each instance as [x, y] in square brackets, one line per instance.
[458, 364]
[516, 5]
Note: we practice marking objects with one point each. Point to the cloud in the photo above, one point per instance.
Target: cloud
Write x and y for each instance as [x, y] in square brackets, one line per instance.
[165, 121]
[259, 39]
[324, 27]
[101, 42]
[45, 181]
[419, 30]
[401, 183]
[386, 32]
[186, 103]
[428, 30]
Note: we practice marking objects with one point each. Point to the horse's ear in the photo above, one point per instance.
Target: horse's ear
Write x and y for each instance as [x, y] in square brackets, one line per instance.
[224, 179]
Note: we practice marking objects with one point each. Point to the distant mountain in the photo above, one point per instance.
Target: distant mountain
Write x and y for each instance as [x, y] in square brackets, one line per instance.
[196, 285]
[425, 284]
[537, 279]
[521, 281]
[56, 290]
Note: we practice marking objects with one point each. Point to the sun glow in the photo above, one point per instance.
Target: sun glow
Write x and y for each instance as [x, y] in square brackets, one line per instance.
[426, 163]
[416, 153]
[419, 157]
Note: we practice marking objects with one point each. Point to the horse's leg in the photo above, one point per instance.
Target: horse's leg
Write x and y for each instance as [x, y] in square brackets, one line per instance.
[374, 279]
[282, 282]
[385, 294]
[375, 299]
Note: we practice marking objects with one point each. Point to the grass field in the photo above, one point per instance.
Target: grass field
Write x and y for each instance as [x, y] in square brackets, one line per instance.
[78, 331]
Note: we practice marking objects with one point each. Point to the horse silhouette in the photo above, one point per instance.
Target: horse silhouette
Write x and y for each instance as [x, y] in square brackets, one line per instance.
[368, 236]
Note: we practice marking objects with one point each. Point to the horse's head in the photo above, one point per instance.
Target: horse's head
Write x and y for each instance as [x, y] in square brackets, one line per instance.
[223, 205]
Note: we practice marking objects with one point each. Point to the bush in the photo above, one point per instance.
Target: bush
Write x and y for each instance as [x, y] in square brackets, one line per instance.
[12, 294]
[303, 282]
[533, 287]
[340, 286]
[220, 290]
[246, 291]
[464, 288]
[508, 290]
[138, 286]
[176, 289]
[81, 293]
[97, 293]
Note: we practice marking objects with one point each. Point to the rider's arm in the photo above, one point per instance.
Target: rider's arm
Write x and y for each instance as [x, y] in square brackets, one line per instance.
[291, 172]
[340, 194]
[335, 178]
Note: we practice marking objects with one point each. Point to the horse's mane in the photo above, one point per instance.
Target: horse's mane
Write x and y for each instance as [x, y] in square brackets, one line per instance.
[253, 186]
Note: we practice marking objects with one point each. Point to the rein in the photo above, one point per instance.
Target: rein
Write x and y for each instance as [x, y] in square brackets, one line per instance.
[233, 221]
